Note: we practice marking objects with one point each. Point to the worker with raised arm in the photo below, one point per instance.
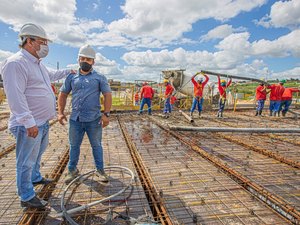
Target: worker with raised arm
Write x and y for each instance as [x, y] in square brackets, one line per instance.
[276, 97]
[261, 96]
[147, 94]
[168, 94]
[198, 93]
[86, 86]
[27, 84]
[222, 86]
[287, 98]
[136, 98]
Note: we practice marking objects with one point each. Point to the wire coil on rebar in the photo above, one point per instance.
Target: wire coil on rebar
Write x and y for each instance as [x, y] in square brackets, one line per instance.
[66, 213]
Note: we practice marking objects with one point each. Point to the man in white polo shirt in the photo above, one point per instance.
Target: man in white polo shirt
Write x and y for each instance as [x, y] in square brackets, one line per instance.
[27, 84]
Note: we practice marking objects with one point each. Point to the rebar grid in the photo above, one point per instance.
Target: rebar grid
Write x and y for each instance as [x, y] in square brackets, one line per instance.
[190, 186]
[115, 153]
[237, 120]
[263, 144]
[11, 210]
[157, 206]
[227, 155]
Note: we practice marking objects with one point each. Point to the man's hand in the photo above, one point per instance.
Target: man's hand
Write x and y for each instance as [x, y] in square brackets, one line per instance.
[32, 131]
[73, 71]
[61, 118]
[104, 121]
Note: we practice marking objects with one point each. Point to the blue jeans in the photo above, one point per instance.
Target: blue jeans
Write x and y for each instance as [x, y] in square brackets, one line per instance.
[275, 106]
[28, 158]
[146, 101]
[222, 102]
[167, 107]
[94, 132]
[286, 105]
[197, 102]
[260, 105]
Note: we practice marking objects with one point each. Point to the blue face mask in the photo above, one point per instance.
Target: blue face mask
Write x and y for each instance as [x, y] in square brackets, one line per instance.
[223, 84]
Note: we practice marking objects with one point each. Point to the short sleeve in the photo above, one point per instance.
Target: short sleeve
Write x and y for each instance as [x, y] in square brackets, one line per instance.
[104, 86]
[66, 87]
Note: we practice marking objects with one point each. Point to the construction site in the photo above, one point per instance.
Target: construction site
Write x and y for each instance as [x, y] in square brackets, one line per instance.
[239, 169]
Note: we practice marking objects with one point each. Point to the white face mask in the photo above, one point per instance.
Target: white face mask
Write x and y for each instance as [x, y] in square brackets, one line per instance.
[43, 52]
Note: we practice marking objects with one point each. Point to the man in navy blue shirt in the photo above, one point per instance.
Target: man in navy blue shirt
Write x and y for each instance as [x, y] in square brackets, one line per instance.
[86, 86]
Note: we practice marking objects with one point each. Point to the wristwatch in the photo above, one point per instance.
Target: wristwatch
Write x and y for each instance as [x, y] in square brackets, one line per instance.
[107, 114]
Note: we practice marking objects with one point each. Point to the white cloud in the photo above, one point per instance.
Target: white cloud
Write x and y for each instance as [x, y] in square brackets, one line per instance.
[4, 55]
[153, 18]
[284, 46]
[282, 14]
[219, 32]
[292, 73]
[56, 18]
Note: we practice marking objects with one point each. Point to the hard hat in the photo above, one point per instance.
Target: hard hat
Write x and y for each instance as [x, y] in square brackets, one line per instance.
[166, 81]
[283, 81]
[223, 81]
[30, 29]
[87, 51]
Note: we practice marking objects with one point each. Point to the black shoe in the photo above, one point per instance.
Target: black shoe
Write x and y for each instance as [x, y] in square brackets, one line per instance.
[35, 202]
[256, 114]
[44, 181]
[150, 114]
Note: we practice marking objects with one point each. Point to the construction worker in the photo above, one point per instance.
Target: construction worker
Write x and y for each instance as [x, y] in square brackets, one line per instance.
[276, 97]
[261, 96]
[27, 84]
[173, 99]
[147, 94]
[168, 93]
[287, 99]
[198, 93]
[136, 98]
[86, 117]
[222, 90]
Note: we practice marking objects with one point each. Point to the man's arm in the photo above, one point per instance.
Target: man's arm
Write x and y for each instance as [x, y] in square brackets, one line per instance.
[107, 105]
[206, 79]
[229, 82]
[61, 102]
[59, 74]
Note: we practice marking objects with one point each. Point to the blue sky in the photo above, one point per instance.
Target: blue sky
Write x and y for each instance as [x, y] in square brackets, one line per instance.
[137, 39]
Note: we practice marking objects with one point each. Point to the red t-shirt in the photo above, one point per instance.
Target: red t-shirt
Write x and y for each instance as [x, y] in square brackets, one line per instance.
[198, 88]
[147, 92]
[222, 90]
[276, 92]
[261, 93]
[288, 93]
[169, 90]
[173, 99]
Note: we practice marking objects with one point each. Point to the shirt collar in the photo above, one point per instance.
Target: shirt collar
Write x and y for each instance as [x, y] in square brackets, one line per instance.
[91, 72]
[29, 56]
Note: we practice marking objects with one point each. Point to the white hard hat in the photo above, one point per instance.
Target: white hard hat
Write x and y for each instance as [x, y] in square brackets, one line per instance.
[30, 29]
[87, 51]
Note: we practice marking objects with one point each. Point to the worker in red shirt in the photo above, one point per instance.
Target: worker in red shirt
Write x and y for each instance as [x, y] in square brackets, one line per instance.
[261, 96]
[168, 94]
[198, 93]
[147, 94]
[222, 85]
[173, 99]
[287, 99]
[275, 97]
[136, 98]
